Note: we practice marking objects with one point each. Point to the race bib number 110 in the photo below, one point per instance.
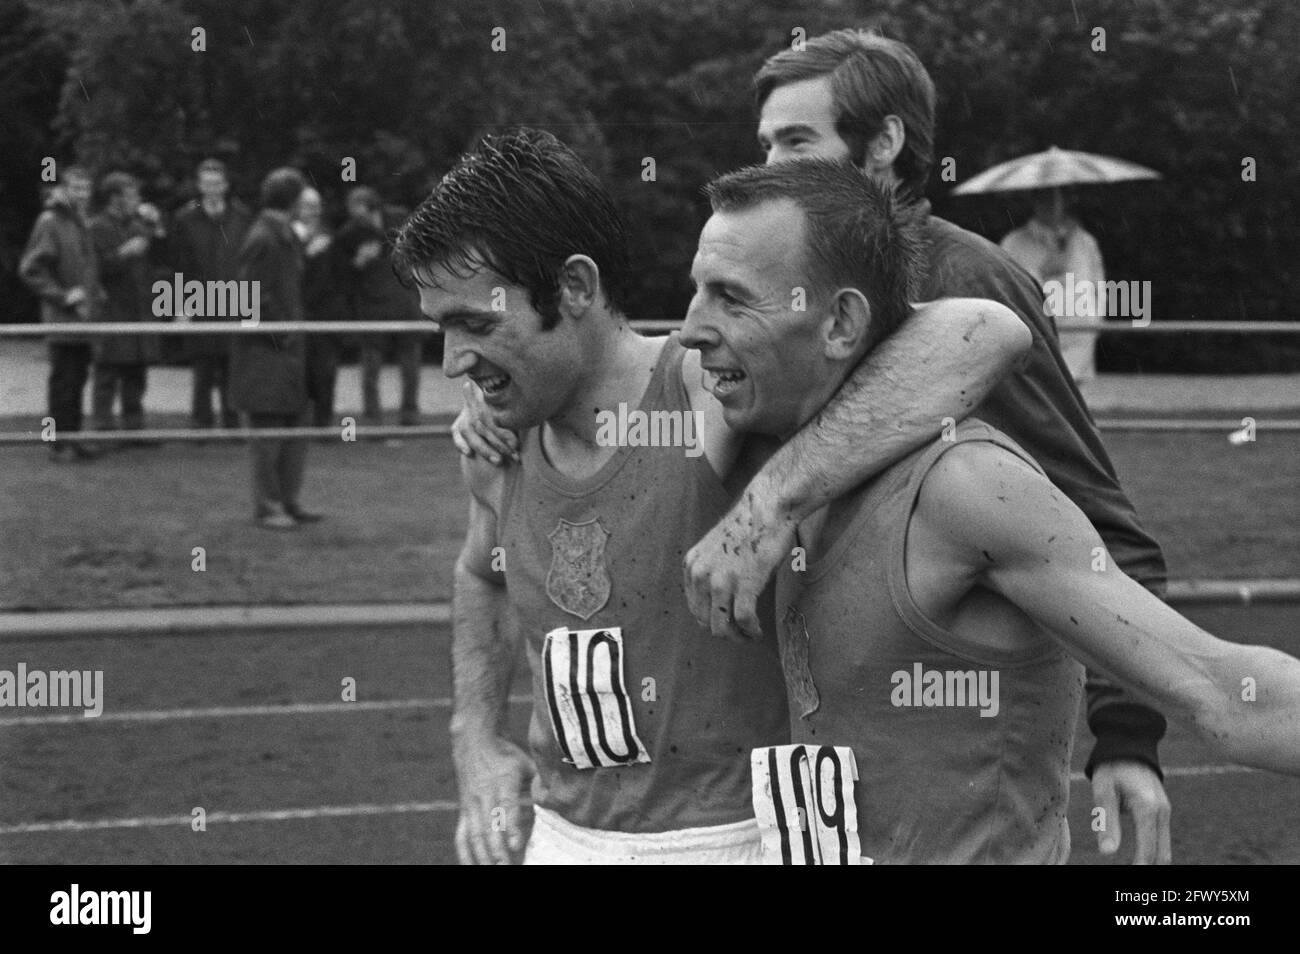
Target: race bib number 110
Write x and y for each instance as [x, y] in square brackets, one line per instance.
[591, 712]
[803, 800]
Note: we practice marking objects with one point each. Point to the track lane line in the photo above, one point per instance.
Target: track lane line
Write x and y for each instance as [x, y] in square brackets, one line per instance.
[272, 815]
[401, 808]
[227, 712]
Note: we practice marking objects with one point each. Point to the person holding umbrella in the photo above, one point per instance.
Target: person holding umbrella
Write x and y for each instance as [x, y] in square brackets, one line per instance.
[1053, 245]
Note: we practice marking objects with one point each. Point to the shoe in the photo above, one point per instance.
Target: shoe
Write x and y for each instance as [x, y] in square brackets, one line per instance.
[304, 516]
[409, 419]
[272, 516]
[277, 521]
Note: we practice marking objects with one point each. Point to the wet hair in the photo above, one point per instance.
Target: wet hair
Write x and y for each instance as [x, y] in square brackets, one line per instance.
[519, 205]
[858, 233]
[281, 188]
[871, 77]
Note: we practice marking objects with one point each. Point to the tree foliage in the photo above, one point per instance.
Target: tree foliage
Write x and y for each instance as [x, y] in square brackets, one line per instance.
[1189, 87]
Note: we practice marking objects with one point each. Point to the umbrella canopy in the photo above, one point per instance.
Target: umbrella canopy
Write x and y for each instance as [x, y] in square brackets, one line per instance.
[1053, 168]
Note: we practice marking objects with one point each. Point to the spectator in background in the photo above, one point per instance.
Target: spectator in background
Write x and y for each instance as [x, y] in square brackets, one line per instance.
[321, 302]
[374, 293]
[59, 265]
[268, 374]
[206, 236]
[124, 232]
[1051, 246]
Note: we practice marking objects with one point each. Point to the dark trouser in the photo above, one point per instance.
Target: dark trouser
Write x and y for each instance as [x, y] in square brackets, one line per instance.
[109, 379]
[211, 372]
[69, 369]
[278, 465]
[322, 372]
[408, 358]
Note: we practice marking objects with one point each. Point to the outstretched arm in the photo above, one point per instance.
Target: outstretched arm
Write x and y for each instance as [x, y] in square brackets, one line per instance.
[938, 366]
[1243, 701]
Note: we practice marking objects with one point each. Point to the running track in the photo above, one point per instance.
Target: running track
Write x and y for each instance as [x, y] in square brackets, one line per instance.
[251, 727]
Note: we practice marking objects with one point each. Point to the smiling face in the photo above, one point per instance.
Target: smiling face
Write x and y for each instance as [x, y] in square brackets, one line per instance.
[493, 335]
[763, 358]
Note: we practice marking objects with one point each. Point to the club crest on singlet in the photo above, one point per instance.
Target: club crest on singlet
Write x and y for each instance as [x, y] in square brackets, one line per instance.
[577, 581]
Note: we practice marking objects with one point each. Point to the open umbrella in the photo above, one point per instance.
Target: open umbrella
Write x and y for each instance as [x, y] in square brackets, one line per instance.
[1054, 168]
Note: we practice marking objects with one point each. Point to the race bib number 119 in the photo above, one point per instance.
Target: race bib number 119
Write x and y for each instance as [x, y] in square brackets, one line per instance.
[591, 712]
[803, 800]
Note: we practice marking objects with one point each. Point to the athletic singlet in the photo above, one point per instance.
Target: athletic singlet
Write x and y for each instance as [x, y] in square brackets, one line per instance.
[605, 553]
[938, 783]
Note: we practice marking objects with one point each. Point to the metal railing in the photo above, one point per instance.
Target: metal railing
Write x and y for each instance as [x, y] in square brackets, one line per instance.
[1200, 591]
[424, 327]
[236, 326]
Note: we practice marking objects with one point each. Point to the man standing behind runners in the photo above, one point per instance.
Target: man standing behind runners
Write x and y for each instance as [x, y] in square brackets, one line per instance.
[641, 730]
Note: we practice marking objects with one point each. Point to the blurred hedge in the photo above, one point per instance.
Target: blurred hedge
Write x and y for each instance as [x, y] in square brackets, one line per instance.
[1189, 87]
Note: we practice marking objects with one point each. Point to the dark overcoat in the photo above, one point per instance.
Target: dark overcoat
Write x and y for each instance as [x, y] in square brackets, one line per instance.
[127, 284]
[268, 372]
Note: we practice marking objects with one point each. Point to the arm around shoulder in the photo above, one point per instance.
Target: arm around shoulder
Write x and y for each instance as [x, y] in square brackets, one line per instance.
[940, 365]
